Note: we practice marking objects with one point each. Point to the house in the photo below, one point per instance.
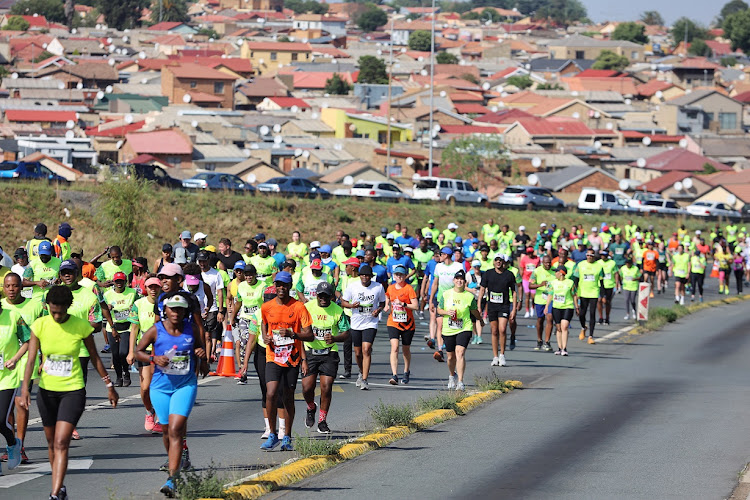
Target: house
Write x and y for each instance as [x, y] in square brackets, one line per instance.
[358, 170]
[574, 179]
[699, 111]
[357, 124]
[253, 170]
[399, 166]
[268, 56]
[203, 86]
[47, 118]
[168, 145]
[664, 185]
[554, 69]
[307, 127]
[275, 6]
[216, 156]
[737, 194]
[90, 75]
[694, 72]
[249, 95]
[403, 29]
[57, 167]
[552, 133]
[584, 47]
[677, 159]
[657, 91]
[173, 27]
[294, 104]
[333, 25]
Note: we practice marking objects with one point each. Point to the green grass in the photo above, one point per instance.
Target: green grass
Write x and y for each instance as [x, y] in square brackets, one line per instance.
[307, 446]
[660, 316]
[491, 382]
[387, 415]
[207, 483]
[443, 400]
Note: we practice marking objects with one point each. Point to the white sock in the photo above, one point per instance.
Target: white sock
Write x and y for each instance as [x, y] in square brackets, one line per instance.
[268, 427]
[282, 428]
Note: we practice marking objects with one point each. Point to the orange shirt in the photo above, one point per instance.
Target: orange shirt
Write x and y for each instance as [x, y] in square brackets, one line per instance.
[292, 315]
[650, 260]
[89, 271]
[673, 243]
[401, 317]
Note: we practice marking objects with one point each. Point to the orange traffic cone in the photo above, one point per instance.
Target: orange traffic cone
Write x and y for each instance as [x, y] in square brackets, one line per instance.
[715, 269]
[226, 366]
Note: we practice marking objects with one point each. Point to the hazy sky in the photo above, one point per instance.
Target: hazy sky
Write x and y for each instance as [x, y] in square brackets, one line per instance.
[625, 10]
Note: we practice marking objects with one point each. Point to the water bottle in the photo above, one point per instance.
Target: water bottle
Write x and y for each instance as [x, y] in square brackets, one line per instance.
[170, 353]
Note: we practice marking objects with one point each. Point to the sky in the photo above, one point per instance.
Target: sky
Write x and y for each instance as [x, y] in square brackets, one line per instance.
[630, 10]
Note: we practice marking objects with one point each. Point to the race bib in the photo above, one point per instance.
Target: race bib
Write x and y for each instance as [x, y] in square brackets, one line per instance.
[496, 297]
[619, 251]
[558, 299]
[249, 311]
[311, 294]
[399, 314]
[607, 276]
[280, 340]
[320, 333]
[629, 278]
[282, 353]
[58, 365]
[530, 268]
[455, 323]
[365, 309]
[650, 257]
[122, 316]
[588, 277]
[179, 364]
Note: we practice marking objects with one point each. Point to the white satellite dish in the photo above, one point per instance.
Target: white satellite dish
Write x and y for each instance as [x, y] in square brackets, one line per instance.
[598, 144]
[338, 146]
[576, 115]
[352, 127]
[410, 161]
[731, 199]
[298, 152]
[628, 102]
[324, 105]
[79, 85]
[108, 90]
[278, 139]
[194, 123]
[70, 124]
[677, 186]
[687, 183]
[415, 177]
[109, 40]
[623, 185]
[277, 128]
[251, 178]
[683, 143]
[486, 86]
[112, 48]
[574, 93]
[646, 141]
[254, 145]
[70, 134]
[314, 116]
[443, 93]
[641, 162]
[246, 152]
[125, 39]
[111, 62]
[533, 179]
[659, 94]
[264, 130]
[60, 86]
[536, 162]
[494, 109]
[119, 144]
[14, 76]
[100, 95]
[348, 180]
[305, 154]
[295, 109]
[142, 55]
[610, 125]
[186, 98]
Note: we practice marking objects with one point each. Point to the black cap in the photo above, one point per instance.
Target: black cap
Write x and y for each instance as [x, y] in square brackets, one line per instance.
[289, 263]
[324, 288]
[362, 234]
[20, 252]
[460, 274]
[562, 268]
[166, 247]
[202, 255]
[40, 228]
[259, 237]
[365, 269]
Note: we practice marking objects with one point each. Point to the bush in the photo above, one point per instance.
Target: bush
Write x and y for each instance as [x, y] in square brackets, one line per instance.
[442, 401]
[388, 415]
[309, 446]
[491, 382]
[208, 483]
[123, 213]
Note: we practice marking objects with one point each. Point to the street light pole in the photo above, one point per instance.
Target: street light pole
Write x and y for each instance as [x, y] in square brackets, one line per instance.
[432, 85]
[388, 115]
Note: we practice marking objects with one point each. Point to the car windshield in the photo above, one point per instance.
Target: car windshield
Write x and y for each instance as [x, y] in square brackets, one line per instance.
[204, 176]
[363, 185]
[427, 184]
[7, 166]
[702, 204]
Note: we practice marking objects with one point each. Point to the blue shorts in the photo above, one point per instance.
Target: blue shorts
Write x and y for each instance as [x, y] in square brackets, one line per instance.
[539, 308]
[177, 402]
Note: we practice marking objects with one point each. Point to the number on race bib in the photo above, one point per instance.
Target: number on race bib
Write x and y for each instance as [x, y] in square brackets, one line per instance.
[121, 316]
[558, 299]
[58, 365]
[365, 309]
[588, 277]
[455, 323]
[320, 333]
[496, 297]
[179, 364]
[607, 276]
[280, 340]
[249, 310]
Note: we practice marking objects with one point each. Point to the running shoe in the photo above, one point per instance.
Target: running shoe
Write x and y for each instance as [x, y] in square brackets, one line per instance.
[24, 459]
[479, 339]
[421, 315]
[365, 385]
[582, 335]
[118, 382]
[452, 382]
[157, 429]
[105, 349]
[165, 466]
[547, 347]
[405, 379]
[310, 416]
[591, 340]
[460, 386]
[393, 380]
[438, 356]
[345, 376]
[14, 455]
[495, 361]
[75, 436]
[564, 352]
[149, 423]
[426, 338]
[63, 493]
[241, 382]
[501, 360]
[323, 427]
[558, 352]
[185, 461]
[169, 489]
[473, 340]
[126, 380]
[359, 381]
[4, 457]
[627, 317]
[512, 345]
[271, 443]
[601, 321]
[431, 343]
[538, 345]
[286, 444]
[527, 314]
[606, 321]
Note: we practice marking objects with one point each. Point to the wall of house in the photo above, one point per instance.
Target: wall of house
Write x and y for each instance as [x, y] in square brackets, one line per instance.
[176, 88]
[596, 180]
[270, 66]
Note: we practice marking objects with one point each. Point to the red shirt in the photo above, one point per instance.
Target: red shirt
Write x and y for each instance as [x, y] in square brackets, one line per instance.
[293, 315]
[404, 295]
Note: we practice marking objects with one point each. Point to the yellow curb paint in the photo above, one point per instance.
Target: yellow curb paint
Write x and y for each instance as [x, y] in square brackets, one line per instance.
[433, 417]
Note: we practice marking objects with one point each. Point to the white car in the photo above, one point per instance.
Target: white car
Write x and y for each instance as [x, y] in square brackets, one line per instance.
[444, 188]
[640, 197]
[712, 209]
[376, 189]
[596, 199]
[661, 206]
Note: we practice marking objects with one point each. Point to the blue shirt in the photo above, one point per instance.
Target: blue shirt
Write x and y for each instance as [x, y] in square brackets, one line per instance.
[578, 255]
[429, 270]
[380, 274]
[393, 262]
[330, 265]
[183, 345]
[280, 258]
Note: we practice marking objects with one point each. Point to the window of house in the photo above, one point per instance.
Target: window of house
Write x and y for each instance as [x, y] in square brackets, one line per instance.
[218, 87]
[274, 56]
[210, 166]
[727, 121]
[316, 166]
[707, 119]
[193, 85]
[580, 54]
[634, 55]
[174, 160]
[294, 56]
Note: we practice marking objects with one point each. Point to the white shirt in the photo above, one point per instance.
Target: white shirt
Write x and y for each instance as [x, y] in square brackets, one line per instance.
[445, 273]
[213, 279]
[369, 299]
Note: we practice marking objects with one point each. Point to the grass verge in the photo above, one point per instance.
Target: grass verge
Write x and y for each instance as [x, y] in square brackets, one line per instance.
[491, 382]
[444, 400]
[308, 446]
[387, 415]
[207, 483]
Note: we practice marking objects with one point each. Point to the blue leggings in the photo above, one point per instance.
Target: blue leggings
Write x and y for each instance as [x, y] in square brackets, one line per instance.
[177, 402]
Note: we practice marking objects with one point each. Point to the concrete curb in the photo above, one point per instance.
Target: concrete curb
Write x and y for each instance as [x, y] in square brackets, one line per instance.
[304, 468]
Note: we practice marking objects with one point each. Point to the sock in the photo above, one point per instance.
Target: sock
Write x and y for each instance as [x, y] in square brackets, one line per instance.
[282, 427]
[322, 416]
[311, 406]
[184, 444]
[268, 427]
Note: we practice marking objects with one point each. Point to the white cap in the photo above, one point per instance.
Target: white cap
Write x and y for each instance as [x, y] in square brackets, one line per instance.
[697, 231]
[547, 245]
[315, 244]
[427, 234]
[200, 236]
[594, 229]
[543, 224]
[475, 263]
[408, 249]
[522, 228]
[452, 225]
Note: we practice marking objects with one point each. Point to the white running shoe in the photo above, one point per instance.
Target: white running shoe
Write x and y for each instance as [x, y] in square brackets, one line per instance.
[460, 386]
[495, 361]
[359, 380]
[452, 382]
[627, 317]
[682, 300]
[365, 386]
[527, 315]
[501, 359]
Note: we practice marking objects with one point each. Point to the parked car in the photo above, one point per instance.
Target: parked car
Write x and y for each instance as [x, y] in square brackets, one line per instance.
[147, 172]
[375, 189]
[441, 188]
[28, 170]
[712, 209]
[596, 199]
[530, 195]
[661, 206]
[217, 180]
[641, 196]
[291, 185]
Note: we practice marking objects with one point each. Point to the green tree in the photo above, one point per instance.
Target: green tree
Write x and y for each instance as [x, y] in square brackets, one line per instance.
[562, 12]
[731, 7]
[337, 85]
[632, 32]
[41, 57]
[446, 58]
[652, 17]
[699, 48]
[372, 70]
[420, 40]
[475, 158]
[121, 211]
[728, 61]
[610, 60]
[684, 26]
[550, 86]
[303, 6]
[51, 9]
[737, 29]
[211, 33]
[709, 169]
[520, 81]
[16, 23]
[471, 16]
[371, 19]
[123, 14]
[171, 11]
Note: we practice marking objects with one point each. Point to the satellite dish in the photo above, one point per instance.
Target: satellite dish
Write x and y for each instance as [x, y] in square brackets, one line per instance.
[70, 124]
[536, 162]
[246, 152]
[410, 161]
[109, 40]
[254, 145]
[731, 199]
[119, 144]
[277, 128]
[338, 146]
[295, 109]
[305, 154]
[111, 62]
[194, 123]
[352, 127]
[597, 115]
[70, 134]
[298, 152]
[324, 105]
[423, 72]
[415, 177]
[44, 45]
[186, 98]
[278, 139]
[108, 90]
[641, 162]
[533, 179]
[659, 94]
[73, 31]
[576, 115]
[683, 143]
[380, 52]
[142, 55]
[264, 130]
[125, 39]
[100, 95]
[598, 144]
[251, 178]
[494, 109]
[677, 186]
[79, 85]
[14, 76]
[486, 86]
[623, 185]
[348, 180]
[60, 86]
[628, 102]
[314, 116]
[687, 183]
[144, 81]
[610, 125]
[574, 93]
[112, 48]
[443, 93]
[646, 141]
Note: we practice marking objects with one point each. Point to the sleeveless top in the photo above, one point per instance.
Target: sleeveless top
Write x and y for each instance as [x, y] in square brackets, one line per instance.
[181, 369]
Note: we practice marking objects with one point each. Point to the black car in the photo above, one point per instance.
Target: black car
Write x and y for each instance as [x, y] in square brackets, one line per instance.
[148, 172]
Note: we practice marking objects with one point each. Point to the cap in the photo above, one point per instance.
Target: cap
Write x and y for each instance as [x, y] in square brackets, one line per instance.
[475, 263]
[263, 244]
[200, 236]
[152, 281]
[383, 230]
[605, 228]
[460, 275]
[697, 231]
[594, 229]
[547, 245]
[176, 301]
[324, 288]
[191, 280]
[499, 256]
[314, 255]
[45, 248]
[431, 221]
[522, 228]
[240, 264]
[674, 234]
[166, 247]
[447, 251]
[562, 268]
[325, 249]
[283, 277]
[259, 237]
[366, 270]
[351, 261]
[543, 224]
[427, 234]
[484, 248]
[65, 225]
[554, 225]
[180, 259]
[20, 252]
[459, 240]
[69, 265]
[603, 252]
[289, 263]
[119, 276]
[396, 246]
[314, 244]
[272, 242]
[202, 255]
[530, 250]
[452, 225]
[360, 253]
[390, 237]
[171, 269]
[399, 270]
[408, 249]
[316, 264]
[138, 264]
[40, 228]
[186, 235]
[210, 248]
[379, 246]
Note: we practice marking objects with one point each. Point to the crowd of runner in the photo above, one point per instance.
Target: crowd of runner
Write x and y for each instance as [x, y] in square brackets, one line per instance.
[292, 308]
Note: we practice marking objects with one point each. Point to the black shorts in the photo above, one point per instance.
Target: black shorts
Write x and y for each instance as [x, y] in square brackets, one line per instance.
[57, 406]
[286, 375]
[681, 280]
[366, 335]
[562, 314]
[649, 273]
[406, 336]
[606, 293]
[495, 314]
[663, 266]
[326, 365]
[451, 341]
[212, 326]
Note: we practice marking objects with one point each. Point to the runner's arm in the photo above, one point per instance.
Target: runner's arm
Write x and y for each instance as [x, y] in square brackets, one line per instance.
[131, 341]
[209, 295]
[99, 367]
[32, 350]
[147, 339]
[413, 305]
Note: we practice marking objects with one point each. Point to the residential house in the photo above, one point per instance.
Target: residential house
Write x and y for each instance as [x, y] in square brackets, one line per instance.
[735, 195]
[551, 133]
[571, 180]
[253, 170]
[307, 127]
[197, 84]
[249, 95]
[554, 69]
[168, 145]
[333, 25]
[584, 47]
[253, 5]
[399, 166]
[694, 72]
[216, 156]
[664, 185]
[57, 167]
[402, 30]
[268, 56]
[294, 104]
[358, 170]
[677, 159]
[700, 111]
[90, 75]
[46, 118]
[173, 27]
[656, 91]
[353, 124]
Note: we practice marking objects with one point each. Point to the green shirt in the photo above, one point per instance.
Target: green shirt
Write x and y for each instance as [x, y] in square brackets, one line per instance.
[107, 270]
[308, 283]
[265, 268]
[120, 305]
[680, 263]
[618, 250]
[540, 275]
[39, 270]
[60, 345]
[609, 268]
[698, 264]
[630, 276]
[463, 303]
[450, 236]
[562, 293]
[589, 278]
[490, 232]
[326, 320]
[142, 314]
[251, 298]
[13, 333]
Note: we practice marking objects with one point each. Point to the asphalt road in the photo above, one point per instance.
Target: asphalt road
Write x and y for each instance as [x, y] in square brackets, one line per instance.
[589, 407]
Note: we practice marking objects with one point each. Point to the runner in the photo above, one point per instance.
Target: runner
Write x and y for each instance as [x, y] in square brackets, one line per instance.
[32, 246]
[528, 262]
[490, 230]
[457, 306]
[62, 390]
[60, 243]
[120, 299]
[619, 248]
[115, 264]
[609, 268]
[681, 270]
[351, 274]
[400, 301]
[42, 271]
[177, 348]
[697, 275]
[228, 257]
[512, 323]
[563, 301]
[285, 324]
[214, 321]
[443, 274]
[329, 326]
[142, 318]
[499, 285]
[650, 265]
[166, 257]
[310, 277]
[630, 275]
[366, 300]
[588, 278]
[248, 300]
[540, 281]
[185, 251]
[265, 265]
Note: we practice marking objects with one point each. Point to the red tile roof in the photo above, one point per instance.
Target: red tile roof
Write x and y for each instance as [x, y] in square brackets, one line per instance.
[682, 160]
[743, 97]
[204, 97]
[470, 108]
[719, 49]
[555, 127]
[197, 72]
[36, 21]
[288, 102]
[25, 115]
[465, 97]
[164, 26]
[697, 63]
[599, 73]
[664, 182]
[316, 79]
[471, 129]
[506, 116]
[114, 131]
[651, 87]
[279, 46]
[505, 73]
[160, 142]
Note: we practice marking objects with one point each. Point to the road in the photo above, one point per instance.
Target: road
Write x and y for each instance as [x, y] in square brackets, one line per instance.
[572, 403]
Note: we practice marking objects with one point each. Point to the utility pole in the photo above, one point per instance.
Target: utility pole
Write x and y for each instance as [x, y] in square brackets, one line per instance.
[432, 86]
[388, 115]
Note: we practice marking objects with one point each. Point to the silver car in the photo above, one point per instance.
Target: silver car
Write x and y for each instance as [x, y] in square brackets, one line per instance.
[529, 195]
[661, 206]
[375, 189]
[712, 209]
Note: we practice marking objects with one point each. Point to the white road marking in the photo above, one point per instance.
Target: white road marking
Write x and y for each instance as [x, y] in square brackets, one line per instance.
[30, 472]
[614, 334]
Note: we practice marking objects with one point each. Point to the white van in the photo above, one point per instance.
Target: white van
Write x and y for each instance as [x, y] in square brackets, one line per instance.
[596, 199]
[445, 189]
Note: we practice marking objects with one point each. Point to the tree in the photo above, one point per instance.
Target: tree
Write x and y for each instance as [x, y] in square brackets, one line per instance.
[731, 7]
[420, 40]
[16, 23]
[728, 61]
[211, 33]
[699, 48]
[337, 85]
[371, 19]
[737, 29]
[475, 158]
[709, 169]
[562, 12]
[123, 14]
[121, 210]
[169, 11]
[520, 81]
[372, 70]
[550, 86]
[304, 6]
[446, 58]
[687, 28]
[42, 56]
[51, 9]
[632, 32]
[610, 60]
[652, 17]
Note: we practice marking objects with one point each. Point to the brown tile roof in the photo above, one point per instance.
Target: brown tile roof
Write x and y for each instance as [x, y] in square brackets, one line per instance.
[197, 72]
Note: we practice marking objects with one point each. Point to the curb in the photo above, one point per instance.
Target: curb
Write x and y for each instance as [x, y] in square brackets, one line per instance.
[304, 468]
